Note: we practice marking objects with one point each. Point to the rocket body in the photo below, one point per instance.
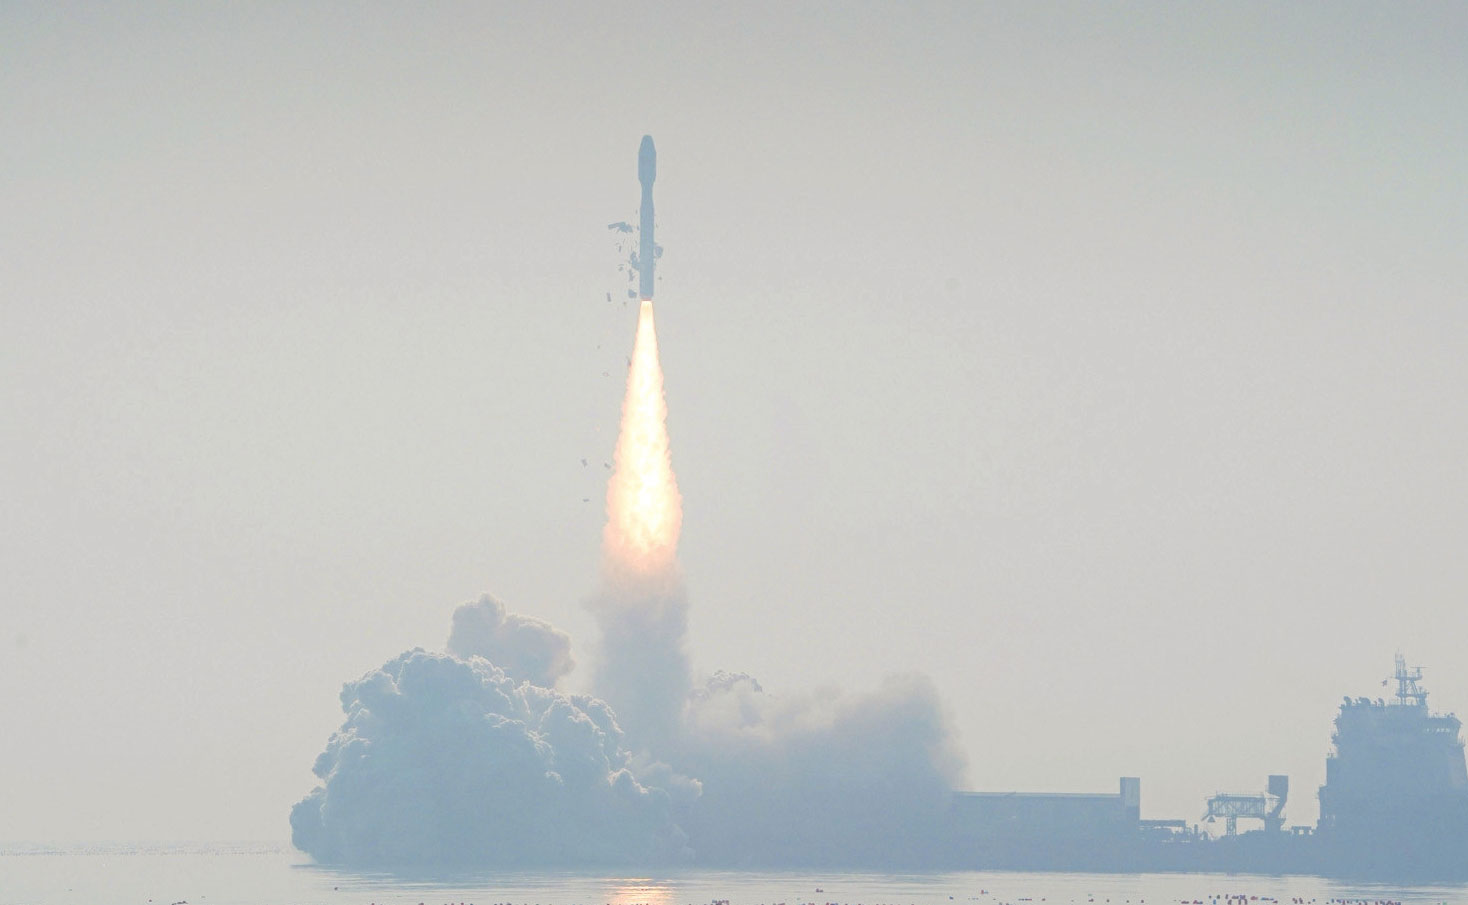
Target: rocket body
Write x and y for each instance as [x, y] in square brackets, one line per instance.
[647, 249]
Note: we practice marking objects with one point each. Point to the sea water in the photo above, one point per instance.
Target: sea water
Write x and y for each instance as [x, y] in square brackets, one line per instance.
[278, 875]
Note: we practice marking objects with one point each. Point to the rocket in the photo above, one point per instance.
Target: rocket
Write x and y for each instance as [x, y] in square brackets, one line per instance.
[646, 256]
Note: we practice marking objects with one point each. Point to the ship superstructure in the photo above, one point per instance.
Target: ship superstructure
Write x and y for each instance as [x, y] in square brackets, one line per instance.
[1396, 786]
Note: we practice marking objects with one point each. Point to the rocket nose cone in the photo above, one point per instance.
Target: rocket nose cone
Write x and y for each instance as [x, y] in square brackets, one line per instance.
[647, 161]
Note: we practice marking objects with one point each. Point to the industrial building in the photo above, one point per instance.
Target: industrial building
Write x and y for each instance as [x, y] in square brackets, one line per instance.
[1041, 829]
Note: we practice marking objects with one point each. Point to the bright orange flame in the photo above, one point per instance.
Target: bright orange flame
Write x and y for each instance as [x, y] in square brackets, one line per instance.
[644, 509]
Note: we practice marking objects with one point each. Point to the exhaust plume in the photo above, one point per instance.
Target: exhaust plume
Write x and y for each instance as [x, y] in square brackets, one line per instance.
[641, 608]
[644, 509]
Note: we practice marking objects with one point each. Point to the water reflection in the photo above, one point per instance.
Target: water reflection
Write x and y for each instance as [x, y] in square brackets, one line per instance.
[638, 892]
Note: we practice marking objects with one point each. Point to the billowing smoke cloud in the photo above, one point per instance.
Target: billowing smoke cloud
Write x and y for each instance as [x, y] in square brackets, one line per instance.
[829, 778]
[444, 761]
[526, 648]
[820, 779]
[451, 759]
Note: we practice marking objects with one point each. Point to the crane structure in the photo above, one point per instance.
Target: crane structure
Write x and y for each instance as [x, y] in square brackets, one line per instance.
[1266, 806]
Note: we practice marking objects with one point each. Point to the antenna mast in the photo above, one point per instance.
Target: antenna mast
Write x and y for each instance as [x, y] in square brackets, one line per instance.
[1408, 689]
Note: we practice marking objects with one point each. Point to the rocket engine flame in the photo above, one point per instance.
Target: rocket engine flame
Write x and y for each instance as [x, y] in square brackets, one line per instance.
[644, 508]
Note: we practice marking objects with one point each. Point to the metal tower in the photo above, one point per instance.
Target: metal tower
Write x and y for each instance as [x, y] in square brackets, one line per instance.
[1409, 692]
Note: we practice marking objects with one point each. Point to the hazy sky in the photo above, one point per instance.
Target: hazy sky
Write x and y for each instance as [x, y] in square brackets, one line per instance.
[1108, 364]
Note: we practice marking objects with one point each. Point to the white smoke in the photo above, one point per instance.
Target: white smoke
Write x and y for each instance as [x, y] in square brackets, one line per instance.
[643, 669]
[445, 761]
[453, 760]
[828, 778]
[526, 648]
